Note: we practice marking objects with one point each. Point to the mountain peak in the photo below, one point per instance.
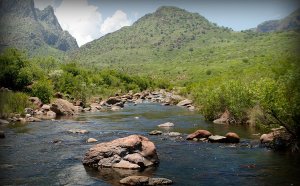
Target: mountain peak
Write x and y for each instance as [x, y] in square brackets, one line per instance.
[168, 9]
[291, 22]
[29, 28]
[47, 15]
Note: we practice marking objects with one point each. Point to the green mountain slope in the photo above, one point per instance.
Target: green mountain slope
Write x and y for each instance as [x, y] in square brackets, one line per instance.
[28, 28]
[291, 22]
[154, 37]
[184, 47]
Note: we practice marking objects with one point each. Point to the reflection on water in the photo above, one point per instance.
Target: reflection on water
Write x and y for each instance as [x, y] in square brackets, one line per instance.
[28, 155]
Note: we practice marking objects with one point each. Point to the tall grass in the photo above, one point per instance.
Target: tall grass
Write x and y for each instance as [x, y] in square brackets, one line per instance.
[13, 102]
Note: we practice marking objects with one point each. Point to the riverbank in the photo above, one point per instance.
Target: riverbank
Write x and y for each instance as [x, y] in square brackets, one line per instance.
[61, 107]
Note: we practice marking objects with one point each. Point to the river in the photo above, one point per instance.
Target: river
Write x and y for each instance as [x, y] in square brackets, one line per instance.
[28, 155]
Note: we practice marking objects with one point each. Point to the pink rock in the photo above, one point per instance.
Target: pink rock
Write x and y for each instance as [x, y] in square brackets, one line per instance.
[199, 134]
[132, 152]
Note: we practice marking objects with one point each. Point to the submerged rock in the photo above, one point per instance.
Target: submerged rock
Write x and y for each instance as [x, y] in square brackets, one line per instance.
[155, 132]
[78, 131]
[199, 134]
[144, 180]
[168, 124]
[173, 134]
[132, 152]
[33, 119]
[115, 108]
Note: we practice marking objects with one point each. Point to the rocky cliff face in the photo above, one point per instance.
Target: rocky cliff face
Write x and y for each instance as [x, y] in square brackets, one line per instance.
[291, 22]
[37, 31]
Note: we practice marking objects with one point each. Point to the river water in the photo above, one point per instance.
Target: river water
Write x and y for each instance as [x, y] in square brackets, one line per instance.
[28, 155]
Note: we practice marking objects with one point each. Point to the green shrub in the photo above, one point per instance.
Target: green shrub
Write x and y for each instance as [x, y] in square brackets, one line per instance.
[43, 89]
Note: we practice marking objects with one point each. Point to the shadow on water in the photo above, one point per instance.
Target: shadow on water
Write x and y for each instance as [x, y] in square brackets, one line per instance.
[45, 153]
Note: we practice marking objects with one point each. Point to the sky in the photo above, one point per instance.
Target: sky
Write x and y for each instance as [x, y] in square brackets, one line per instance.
[87, 20]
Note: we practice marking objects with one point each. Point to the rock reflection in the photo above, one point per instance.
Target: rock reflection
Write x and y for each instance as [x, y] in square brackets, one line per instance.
[114, 175]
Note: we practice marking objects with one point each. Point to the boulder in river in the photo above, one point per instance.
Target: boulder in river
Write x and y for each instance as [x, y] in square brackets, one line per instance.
[224, 119]
[51, 115]
[232, 137]
[29, 111]
[113, 100]
[2, 121]
[45, 107]
[217, 139]
[131, 152]
[199, 134]
[278, 139]
[63, 107]
[36, 101]
[168, 124]
[185, 102]
[144, 180]
[91, 140]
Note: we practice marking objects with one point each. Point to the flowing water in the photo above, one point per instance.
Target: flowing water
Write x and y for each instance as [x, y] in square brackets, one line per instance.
[28, 155]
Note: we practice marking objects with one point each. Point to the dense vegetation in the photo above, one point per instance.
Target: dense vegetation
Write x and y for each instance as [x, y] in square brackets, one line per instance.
[42, 77]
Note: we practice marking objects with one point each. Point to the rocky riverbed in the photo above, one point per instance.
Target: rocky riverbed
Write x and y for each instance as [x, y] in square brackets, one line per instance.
[52, 151]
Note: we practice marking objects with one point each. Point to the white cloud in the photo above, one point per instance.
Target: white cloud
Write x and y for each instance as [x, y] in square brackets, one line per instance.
[115, 22]
[82, 20]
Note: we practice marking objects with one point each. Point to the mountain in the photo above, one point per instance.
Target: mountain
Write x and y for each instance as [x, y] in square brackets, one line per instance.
[180, 46]
[37, 31]
[168, 30]
[291, 22]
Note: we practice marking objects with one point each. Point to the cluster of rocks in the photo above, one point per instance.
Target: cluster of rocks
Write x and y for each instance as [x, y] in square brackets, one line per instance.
[144, 180]
[204, 135]
[199, 135]
[133, 152]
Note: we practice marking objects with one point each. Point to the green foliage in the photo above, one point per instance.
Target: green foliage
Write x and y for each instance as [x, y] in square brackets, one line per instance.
[12, 102]
[43, 89]
[12, 74]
